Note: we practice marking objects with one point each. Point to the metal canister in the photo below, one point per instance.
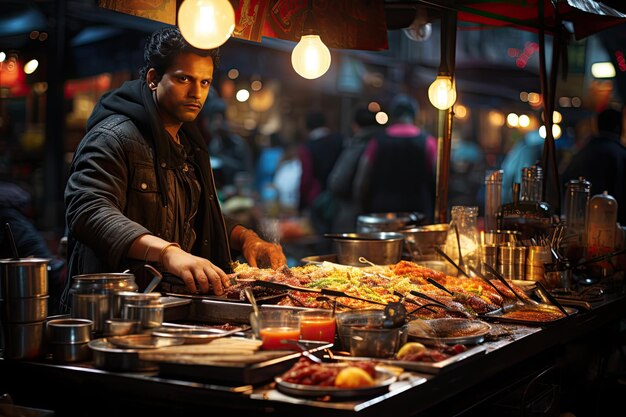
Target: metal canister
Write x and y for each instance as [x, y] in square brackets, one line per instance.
[94, 296]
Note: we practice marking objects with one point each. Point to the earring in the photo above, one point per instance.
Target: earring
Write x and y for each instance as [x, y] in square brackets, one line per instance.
[152, 86]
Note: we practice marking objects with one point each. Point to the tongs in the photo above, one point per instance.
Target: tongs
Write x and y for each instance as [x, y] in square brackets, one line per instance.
[434, 303]
[323, 291]
[502, 280]
[551, 298]
[484, 278]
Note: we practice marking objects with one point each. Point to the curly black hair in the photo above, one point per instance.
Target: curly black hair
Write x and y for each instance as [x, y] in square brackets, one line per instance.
[164, 45]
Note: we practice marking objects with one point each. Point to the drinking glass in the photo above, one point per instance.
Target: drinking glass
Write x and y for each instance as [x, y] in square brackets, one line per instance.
[317, 325]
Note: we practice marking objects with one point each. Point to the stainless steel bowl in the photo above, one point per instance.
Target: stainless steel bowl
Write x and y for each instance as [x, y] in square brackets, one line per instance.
[25, 310]
[67, 331]
[383, 248]
[135, 298]
[121, 327]
[361, 333]
[387, 222]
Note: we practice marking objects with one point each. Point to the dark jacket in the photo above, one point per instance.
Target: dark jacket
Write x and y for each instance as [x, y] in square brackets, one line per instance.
[125, 181]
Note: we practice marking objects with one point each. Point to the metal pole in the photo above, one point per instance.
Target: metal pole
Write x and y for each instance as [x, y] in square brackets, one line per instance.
[444, 117]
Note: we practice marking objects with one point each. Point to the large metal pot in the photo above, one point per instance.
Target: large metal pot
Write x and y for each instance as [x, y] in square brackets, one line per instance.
[378, 248]
[94, 296]
[421, 241]
[388, 222]
[21, 278]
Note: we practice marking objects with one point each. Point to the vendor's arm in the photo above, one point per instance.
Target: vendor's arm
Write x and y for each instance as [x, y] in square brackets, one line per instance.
[257, 251]
[199, 274]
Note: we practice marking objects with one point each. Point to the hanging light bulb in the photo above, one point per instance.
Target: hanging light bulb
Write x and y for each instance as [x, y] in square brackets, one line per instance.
[206, 24]
[310, 58]
[442, 93]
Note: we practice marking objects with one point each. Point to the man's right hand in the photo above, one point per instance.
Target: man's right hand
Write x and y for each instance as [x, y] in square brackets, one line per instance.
[199, 274]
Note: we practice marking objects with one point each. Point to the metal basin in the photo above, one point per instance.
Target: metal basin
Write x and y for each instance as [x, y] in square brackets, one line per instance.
[422, 241]
[387, 222]
[381, 248]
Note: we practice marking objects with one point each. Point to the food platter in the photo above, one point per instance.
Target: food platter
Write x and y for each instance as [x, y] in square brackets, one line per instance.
[383, 379]
[448, 331]
[429, 367]
[529, 315]
[266, 366]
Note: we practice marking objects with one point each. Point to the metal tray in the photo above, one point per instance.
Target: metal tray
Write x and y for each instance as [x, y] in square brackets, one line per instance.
[427, 367]
[196, 335]
[501, 315]
[239, 373]
[382, 381]
[450, 331]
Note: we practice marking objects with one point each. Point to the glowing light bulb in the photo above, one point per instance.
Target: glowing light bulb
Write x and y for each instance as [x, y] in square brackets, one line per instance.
[310, 58]
[442, 93]
[31, 66]
[206, 24]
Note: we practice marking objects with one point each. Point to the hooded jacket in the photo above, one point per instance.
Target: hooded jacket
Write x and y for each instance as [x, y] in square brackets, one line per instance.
[123, 183]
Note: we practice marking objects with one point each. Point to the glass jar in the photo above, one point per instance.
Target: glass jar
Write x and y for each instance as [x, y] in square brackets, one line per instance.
[575, 216]
[532, 184]
[463, 234]
[601, 224]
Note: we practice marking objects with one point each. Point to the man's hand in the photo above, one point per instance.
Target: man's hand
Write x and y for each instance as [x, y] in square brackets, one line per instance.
[260, 253]
[199, 274]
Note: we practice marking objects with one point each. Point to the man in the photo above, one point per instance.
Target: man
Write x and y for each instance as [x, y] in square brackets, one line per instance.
[602, 161]
[397, 170]
[341, 178]
[141, 189]
[317, 158]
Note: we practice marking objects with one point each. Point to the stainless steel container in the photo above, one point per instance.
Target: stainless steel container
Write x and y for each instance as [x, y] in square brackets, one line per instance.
[70, 352]
[94, 296]
[24, 340]
[24, 310]
[26, 277]
[136, 298]
[387, 222]
[149, 316]
[121, 327]
[420, 242]
[379, 248]
[65, 331]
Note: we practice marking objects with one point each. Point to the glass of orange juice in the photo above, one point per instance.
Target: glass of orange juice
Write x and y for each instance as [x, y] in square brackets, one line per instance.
[317, 324]
[274, 327]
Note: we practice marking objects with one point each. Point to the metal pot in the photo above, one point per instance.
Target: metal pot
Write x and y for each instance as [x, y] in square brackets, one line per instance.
[422, 241]
[69, 331]
[25, 310]
[21, 278]
[24, 340]
[379, 248]
[136, 298]
[387, 222]
[94, 296]
[70, 352]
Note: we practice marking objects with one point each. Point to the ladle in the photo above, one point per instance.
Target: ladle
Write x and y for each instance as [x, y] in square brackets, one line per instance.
[394, 314]
[7, 228]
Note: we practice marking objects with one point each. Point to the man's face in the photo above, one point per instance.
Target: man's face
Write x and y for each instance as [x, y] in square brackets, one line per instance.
[184, 87]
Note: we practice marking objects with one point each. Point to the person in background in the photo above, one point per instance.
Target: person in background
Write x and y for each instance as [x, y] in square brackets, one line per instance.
[140, 188]
[269, 158]
[232, 151]
[317, 158]
[341, 178]
[467, 173]
[524, 153]
[29, 242]
[397, 170]
[602, 161]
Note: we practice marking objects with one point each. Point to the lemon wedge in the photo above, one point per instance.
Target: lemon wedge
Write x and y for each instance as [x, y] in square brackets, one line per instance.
[353, 377]
[410, 348]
